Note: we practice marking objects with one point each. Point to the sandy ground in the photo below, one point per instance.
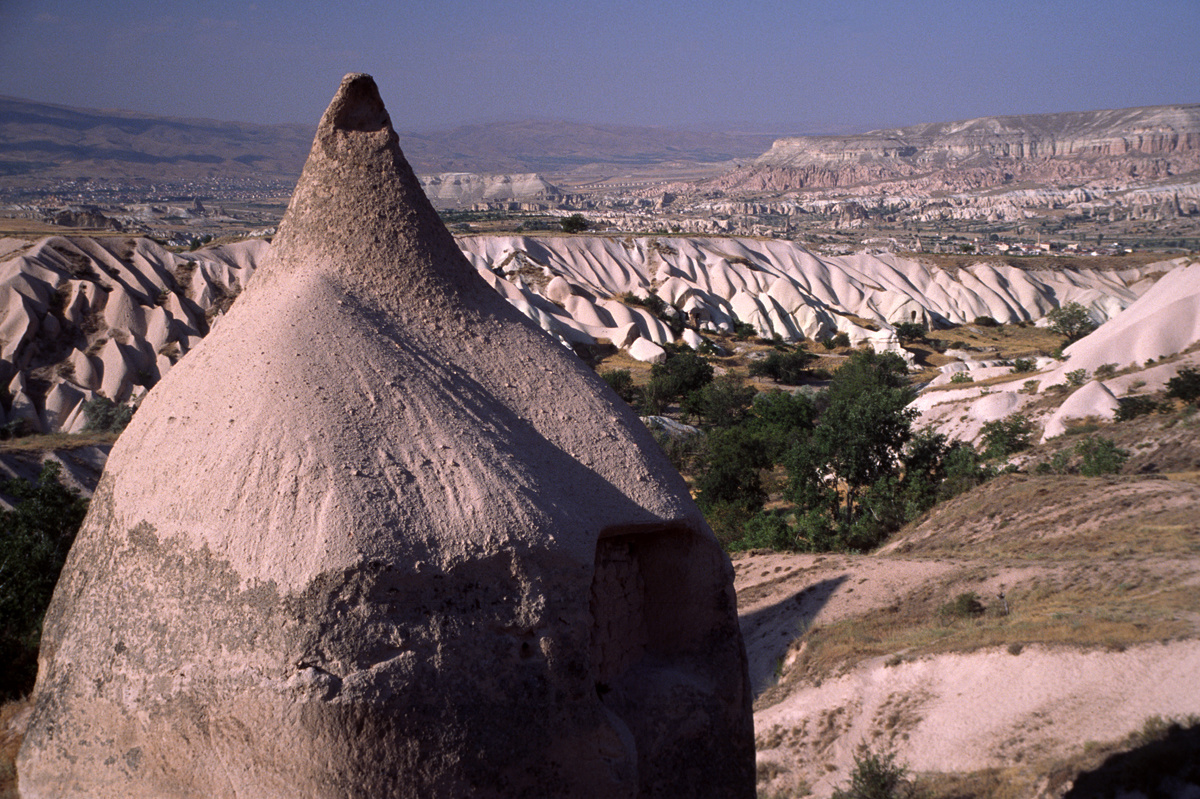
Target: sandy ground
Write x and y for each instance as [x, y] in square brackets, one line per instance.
[992, 708]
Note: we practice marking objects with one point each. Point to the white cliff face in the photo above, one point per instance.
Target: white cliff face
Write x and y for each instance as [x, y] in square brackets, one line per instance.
[782, 289]
[459, 189]
[1164, 131]
[86, 318]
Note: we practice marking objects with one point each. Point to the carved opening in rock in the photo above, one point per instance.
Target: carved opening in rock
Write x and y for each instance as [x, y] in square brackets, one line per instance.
[639, 601]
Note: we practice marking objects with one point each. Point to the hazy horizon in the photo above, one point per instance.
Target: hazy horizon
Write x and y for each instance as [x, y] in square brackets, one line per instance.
[784, 68]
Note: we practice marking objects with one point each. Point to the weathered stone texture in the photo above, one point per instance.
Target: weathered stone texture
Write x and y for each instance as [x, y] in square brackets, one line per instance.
[380, 536]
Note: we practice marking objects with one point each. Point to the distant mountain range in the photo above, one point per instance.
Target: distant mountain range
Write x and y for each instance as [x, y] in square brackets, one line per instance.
[43, 141]
[43, 144]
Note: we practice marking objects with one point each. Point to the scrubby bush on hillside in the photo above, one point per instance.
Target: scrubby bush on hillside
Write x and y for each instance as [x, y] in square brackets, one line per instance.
[105, 416]
[34, 539]
[964, 606]
[1133, 407]
[1077, 377]
[835, 341]
[1185, 385]
[877, 777]
[1100, 456]
[1007, 436]
[788, 368]
[910, 331]
[1022, 365]
[621, 381]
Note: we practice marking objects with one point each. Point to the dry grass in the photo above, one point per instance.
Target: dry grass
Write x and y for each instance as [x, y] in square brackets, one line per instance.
[56, 441]
[1022, 517]
[1015, 782]
[1005, 341]
[1046, 611]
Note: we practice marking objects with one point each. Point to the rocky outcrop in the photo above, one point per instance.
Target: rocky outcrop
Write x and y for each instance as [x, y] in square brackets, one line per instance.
[110, 317]
[1126, 145]
[463, 189]
[380, 536]
[103, 317]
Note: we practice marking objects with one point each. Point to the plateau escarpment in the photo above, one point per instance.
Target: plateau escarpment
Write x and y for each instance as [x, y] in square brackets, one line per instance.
[461, 189]
[1153, 142]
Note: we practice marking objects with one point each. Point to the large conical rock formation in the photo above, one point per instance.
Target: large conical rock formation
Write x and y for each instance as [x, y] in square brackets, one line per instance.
[378, 536]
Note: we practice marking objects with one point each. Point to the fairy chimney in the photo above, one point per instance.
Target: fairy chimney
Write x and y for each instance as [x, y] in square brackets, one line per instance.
[378, 535]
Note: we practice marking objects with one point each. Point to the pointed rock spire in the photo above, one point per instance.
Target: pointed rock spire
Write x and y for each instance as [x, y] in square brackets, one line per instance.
[378, 535]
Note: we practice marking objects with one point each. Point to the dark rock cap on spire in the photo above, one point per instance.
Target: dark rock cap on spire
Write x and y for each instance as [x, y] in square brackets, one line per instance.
[378, 535]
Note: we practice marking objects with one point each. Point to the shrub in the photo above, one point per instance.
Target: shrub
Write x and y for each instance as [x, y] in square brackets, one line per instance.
[1030, 386]
[1007, 436]
[964, 606]
[910, 331]
[743, 329]
[835, 341]
[1185, 385]
[1133, 407]
[34, 539]
[961, 377]
[1100, 456]
[724, 402]
[788, 368]
[1106, 370]
[766, 530]
[575, 223]
[877, 777]
[105, 416]
[1071, 320]
[621, 381]
[1022, 365]
[1076, 377]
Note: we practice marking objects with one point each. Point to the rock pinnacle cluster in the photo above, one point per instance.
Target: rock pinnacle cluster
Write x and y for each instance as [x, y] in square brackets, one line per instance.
[378, 535]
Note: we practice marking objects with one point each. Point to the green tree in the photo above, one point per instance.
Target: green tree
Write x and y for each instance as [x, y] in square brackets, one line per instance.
[1185, 385]
[34, 539]
[788, 368]
[1007, 436]
[729, 487]
[867, 422]
[1071, 320]
[105, 416]
[1100, 456]
[854, 451]
[678, 375]
[575, 223]
[621, 381]
[723, 402]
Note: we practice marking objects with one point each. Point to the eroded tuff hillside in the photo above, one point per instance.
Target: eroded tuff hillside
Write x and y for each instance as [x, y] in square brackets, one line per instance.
[1126, 144]
[107, 317]
[1082, 640]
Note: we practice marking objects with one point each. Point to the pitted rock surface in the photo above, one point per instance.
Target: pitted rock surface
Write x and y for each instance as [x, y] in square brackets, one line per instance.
[378, 535]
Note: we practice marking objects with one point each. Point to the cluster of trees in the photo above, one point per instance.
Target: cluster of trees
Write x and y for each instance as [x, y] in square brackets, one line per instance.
[855, 469]
[34, 539]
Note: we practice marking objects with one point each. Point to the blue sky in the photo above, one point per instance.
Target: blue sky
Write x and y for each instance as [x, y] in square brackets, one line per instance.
[758, 65]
